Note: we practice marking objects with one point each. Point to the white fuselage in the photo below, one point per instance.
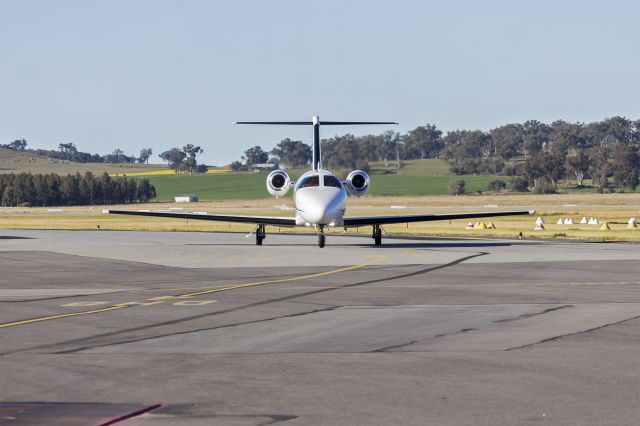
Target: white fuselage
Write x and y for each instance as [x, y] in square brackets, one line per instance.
[320, 199]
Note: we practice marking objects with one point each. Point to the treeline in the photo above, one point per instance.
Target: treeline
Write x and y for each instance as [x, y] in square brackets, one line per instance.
[70, 152]
[541, 155]
[32, 190]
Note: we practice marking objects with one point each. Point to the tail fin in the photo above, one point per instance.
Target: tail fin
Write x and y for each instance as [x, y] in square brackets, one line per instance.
[316, 162]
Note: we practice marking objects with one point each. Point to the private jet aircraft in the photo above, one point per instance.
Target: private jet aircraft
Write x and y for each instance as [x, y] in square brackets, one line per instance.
[320, 197]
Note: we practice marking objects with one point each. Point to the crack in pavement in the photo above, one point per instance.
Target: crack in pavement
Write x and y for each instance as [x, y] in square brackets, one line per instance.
[553, 339]
[534, 314]
[389, 348]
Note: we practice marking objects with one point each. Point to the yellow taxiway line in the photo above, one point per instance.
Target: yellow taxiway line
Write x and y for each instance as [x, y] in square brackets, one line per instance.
[52, 317]
[161, 299]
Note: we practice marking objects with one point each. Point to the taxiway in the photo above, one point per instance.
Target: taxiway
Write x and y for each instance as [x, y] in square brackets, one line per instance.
[207, 328]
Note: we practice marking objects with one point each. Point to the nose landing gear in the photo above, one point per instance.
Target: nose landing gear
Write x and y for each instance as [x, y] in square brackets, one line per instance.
[321, 238]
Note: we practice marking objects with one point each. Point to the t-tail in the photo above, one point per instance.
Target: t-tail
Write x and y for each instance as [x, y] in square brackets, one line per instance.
[316, 161]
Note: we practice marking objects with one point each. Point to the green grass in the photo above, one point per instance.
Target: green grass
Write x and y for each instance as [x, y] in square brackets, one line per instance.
[235, 186]
[426, 167]
[426, 185]
[231, 186]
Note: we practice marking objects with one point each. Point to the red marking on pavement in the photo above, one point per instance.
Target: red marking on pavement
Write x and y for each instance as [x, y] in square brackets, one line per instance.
[131, 415]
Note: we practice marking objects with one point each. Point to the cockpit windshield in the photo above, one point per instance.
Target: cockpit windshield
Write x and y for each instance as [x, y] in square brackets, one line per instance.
[309, 181]
[314, 181]
[330, 180]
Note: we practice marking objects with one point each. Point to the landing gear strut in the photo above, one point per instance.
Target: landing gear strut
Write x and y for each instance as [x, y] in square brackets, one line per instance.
[260, 235]
[321, 237]
[377, 235]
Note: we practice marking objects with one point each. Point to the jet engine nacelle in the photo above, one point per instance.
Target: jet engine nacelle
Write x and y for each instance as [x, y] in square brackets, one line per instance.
[278, 183]
[357, 183]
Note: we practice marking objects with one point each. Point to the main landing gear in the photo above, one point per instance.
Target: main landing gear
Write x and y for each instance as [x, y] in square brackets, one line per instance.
[321, 238]
[377, 235]
[261, 234]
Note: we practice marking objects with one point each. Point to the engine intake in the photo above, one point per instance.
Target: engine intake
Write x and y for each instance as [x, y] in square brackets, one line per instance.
[278, 183]
[357, 183]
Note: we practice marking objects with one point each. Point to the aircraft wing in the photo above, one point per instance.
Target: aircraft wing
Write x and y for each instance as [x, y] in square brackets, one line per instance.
[258, 220]
[382, 220]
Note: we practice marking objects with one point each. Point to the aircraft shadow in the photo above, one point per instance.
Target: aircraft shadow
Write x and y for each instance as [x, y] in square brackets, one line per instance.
[13, 237]
[413, 244]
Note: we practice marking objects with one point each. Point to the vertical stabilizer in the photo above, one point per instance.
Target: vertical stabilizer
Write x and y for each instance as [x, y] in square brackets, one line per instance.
[316, 158]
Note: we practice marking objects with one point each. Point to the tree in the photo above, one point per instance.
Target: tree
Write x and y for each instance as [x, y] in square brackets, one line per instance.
[496, 185]
[236, 166]
[18, 145]
[117, 156]
[8, 196]
[343, 152]
[544, 170]
[145, 191]
[536, 137]
[519, 184]
[424, 141]
[41, 188]
[566, 137]
[456, 187]
[626, 165]
[174, 157]
[191, 151]
[508, 140]
[68, 150]
[145, 153]
[292, 153]
[255, 155]
[87, 188]
[578, 165]
[600, 168]
[387, 147]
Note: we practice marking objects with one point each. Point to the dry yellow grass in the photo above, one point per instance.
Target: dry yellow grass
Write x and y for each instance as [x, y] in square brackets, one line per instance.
[170, 172]
[615, 209]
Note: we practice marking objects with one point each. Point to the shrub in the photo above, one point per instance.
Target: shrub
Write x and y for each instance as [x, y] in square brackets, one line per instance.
[543, 186]
[496, 185]
[456, 187]
[519, 184]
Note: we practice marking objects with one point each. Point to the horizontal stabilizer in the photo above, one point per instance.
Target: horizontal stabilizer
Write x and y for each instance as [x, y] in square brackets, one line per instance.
[283, 123]
[311, 123]
[316, 163]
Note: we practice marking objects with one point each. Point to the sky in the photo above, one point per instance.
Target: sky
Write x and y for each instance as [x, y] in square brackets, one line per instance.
[133, 74]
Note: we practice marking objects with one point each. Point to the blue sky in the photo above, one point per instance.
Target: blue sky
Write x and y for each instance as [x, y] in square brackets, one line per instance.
[132, 74]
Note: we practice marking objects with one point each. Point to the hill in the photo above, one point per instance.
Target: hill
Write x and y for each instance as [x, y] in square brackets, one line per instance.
[19, 161]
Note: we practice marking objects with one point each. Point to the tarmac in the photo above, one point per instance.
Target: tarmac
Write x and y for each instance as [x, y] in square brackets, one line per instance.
[171, 328]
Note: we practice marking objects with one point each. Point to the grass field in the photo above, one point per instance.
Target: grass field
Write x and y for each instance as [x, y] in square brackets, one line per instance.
[426, 167]
[230, 186]
[615, 209]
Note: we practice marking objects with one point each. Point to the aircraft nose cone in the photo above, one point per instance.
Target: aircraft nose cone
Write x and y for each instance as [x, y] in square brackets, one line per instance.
[315, 211]
[319, 206]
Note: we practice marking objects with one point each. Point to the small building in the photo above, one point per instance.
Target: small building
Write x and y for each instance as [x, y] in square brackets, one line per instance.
[263, 167]
[187, 198]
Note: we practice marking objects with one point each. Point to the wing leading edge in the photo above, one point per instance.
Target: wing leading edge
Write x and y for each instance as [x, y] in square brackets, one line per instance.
[348, 221]
[383, 220]
[258, 220]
